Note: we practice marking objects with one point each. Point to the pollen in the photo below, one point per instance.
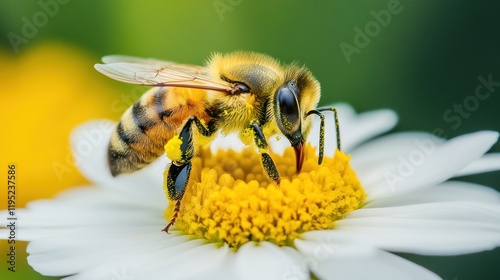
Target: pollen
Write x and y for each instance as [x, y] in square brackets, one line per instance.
[231, 200]
[173, 148]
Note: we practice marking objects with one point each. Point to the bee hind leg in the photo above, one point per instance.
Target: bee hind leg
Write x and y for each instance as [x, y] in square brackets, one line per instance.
[180, 170]
[267, 161]
[174, 217]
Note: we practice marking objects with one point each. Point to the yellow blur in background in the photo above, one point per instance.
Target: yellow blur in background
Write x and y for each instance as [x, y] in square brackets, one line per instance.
[45, 93]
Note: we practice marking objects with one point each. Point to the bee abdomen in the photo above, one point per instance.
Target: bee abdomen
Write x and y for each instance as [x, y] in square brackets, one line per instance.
[146, 126]
[123, 161]
[140, 117]
[132, 146]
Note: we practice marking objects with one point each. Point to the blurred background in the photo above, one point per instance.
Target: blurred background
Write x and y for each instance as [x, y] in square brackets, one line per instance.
[436, 63]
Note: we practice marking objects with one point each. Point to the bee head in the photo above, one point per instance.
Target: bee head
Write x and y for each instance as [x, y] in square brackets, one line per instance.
[292, 100]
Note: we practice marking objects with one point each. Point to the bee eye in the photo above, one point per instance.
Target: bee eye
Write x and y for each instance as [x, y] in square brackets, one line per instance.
[287, 110]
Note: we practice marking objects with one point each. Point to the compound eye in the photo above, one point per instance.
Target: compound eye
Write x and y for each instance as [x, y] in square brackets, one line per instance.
[288, 110]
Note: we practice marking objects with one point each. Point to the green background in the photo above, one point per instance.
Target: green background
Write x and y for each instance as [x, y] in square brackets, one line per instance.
[426, 59]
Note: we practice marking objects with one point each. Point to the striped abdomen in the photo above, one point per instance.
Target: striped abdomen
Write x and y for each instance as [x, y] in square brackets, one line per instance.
[147, 125]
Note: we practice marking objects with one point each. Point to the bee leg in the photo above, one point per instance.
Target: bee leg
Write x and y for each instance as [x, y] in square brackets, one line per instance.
[318, 111]
[174, 217]
[177, 181]
[180, 170]
[337, 126]
[321, 133]
[267, 161]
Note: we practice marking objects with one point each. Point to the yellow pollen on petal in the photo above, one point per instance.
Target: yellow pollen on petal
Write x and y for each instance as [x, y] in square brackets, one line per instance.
[230, 199]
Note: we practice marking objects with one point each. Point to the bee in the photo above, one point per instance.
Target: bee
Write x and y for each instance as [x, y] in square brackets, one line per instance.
[247, 93]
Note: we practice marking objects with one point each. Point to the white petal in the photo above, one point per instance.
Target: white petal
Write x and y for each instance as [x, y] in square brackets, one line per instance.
[366, 126]
[89, 145]
[350, 261]
[195, 263]
[445, 228]
[374, 158]
[489, 162]
[423, 167]
[87, 207]
[390, 146]
[444, 192]
[267, 261]
[139, 256]
[91, 206]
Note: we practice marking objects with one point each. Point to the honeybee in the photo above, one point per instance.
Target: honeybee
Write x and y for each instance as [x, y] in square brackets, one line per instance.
[248, 93]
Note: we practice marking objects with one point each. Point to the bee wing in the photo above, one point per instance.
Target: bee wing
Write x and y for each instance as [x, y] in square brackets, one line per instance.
[152, 72]
[194, 69]
[116, 58]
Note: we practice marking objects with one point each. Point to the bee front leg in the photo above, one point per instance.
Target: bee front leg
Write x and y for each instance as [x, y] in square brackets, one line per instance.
[267, 161]
[317, 112]
[180, 170]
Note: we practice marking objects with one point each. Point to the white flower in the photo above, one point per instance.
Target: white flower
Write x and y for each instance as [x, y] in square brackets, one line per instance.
[113, 230]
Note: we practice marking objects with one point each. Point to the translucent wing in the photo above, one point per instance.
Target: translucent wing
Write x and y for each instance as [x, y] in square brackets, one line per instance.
[152, 72]
[188, 68]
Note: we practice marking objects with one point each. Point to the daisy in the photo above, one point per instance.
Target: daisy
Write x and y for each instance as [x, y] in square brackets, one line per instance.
[340, 220]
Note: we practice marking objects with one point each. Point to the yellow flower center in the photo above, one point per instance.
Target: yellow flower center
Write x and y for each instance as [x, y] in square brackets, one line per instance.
[230, 199]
